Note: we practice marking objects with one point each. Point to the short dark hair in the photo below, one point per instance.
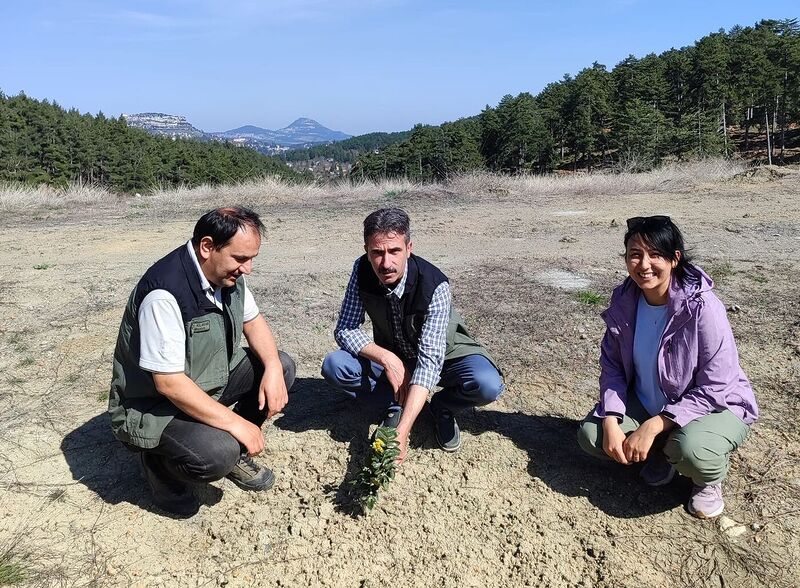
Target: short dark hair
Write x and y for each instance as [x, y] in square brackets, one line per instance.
[388, 220]
[221, 224]
[663, 235]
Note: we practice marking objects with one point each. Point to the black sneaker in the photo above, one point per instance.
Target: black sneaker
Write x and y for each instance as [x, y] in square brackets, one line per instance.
[448, 435]
[392, 418]
[248, 475]
[169, 494]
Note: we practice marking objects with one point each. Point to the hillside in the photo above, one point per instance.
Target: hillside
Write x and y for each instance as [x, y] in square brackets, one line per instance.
[42, 143]
[731, 93]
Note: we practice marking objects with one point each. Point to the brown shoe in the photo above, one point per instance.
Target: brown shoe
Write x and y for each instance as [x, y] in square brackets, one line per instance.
[248, 475]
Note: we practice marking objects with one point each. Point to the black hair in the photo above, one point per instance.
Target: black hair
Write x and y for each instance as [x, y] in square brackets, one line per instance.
[660, 233]
[221, 224]
[388, 220]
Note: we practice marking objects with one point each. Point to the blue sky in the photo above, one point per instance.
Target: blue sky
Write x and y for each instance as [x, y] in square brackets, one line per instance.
[354, 65]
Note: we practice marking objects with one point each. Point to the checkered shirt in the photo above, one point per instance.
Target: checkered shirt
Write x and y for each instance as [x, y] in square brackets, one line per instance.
[433, 335]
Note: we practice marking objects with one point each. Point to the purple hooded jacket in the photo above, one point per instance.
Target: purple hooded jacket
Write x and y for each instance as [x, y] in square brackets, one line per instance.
[698, 365]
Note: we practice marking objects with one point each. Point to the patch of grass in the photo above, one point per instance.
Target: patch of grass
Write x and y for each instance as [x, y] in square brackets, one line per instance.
[11, 572]
[102, 395]
[41, 266]
[721, 271]
[591, 298]
[393, 193]
[18, 343]
[26, 361]
[757, 278]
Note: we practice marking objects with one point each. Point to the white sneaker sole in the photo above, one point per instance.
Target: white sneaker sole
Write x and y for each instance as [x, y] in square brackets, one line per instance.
[706, 515]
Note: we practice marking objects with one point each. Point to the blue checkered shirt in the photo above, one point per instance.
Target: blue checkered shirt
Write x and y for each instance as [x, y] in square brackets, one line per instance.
[433, 335]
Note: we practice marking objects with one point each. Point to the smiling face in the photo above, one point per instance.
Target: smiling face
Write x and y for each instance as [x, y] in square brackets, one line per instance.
[224, 266]
[388, 254]
[650, 269]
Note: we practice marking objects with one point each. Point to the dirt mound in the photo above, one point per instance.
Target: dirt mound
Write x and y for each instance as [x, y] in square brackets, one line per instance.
[763, 173]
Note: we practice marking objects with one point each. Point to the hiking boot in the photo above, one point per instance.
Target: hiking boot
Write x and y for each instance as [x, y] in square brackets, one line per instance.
[448, 435]
[706, 501]
[248, 475]
[657, 471]
[392, 418]
[169, 494]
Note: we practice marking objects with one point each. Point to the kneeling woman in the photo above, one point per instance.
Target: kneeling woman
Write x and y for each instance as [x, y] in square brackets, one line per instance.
[672, 393]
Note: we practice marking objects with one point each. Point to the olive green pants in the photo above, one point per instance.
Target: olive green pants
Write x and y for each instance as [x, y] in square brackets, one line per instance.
[698, 450]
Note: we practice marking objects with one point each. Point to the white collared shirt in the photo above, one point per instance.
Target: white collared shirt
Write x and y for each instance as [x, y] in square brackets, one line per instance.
[162, 346]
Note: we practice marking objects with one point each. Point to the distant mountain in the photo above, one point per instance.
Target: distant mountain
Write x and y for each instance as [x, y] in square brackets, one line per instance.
[304, 132]
[170, 125]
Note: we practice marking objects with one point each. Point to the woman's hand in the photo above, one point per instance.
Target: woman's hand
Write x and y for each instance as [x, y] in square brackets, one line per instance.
[614, 440]
[637, 445]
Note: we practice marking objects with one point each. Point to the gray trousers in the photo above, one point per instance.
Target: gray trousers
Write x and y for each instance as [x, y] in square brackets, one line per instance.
[698, 450]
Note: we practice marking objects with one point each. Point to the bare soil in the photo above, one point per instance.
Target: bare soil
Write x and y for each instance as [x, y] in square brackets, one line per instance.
[518, 505]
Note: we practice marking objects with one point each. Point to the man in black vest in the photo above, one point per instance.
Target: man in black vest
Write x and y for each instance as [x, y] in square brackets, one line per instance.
[419, 340]
[184, 394]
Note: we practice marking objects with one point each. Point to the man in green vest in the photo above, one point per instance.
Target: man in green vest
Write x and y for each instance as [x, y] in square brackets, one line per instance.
[184, 393]
[418, 338]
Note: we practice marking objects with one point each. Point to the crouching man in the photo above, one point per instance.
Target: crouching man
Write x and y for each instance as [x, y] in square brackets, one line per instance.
[419, 340]
[184, 393]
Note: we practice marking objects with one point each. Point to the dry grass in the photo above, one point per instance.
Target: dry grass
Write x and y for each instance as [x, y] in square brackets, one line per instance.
[269, 191]
[22, 198]
[668, 178]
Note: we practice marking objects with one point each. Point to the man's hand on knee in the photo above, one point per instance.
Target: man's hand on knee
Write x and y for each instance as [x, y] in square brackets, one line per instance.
[248, 435]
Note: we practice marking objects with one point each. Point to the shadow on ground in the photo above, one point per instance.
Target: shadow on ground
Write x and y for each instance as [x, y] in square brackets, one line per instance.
[316, 406]
[550, 442]
[555, 458]
[100, 462]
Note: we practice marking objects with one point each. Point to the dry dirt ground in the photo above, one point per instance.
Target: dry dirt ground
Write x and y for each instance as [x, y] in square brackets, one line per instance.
[518, 505]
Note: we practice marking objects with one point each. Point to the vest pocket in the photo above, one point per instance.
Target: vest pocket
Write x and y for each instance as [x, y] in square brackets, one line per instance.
[206, 355]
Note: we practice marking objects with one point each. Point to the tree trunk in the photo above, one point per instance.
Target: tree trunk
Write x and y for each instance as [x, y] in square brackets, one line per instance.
[775, 120]
[748, 117]
[769, 147]
[725, 129]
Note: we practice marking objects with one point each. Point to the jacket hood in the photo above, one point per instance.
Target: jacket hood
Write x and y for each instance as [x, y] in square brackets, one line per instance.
[688, 293]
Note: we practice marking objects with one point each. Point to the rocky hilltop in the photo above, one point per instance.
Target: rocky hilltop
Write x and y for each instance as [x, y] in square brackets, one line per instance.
[171, 125]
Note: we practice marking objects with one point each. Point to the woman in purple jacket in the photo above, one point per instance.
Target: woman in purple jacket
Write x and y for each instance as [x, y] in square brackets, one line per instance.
[672, 394]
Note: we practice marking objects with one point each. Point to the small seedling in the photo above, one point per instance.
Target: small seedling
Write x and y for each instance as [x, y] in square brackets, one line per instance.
[41, 266]
[379, 469]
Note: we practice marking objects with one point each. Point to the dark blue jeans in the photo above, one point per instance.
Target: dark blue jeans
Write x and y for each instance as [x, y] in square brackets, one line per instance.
[192, 451]
[466, 381]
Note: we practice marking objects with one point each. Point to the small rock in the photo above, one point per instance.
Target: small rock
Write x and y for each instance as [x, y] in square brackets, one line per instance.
[726, 523]
[111, 570]
[731, 528]
[756, 526]
[746, 215]
[568, 239]
[583, 336]
[614, 223]
[734, 308]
